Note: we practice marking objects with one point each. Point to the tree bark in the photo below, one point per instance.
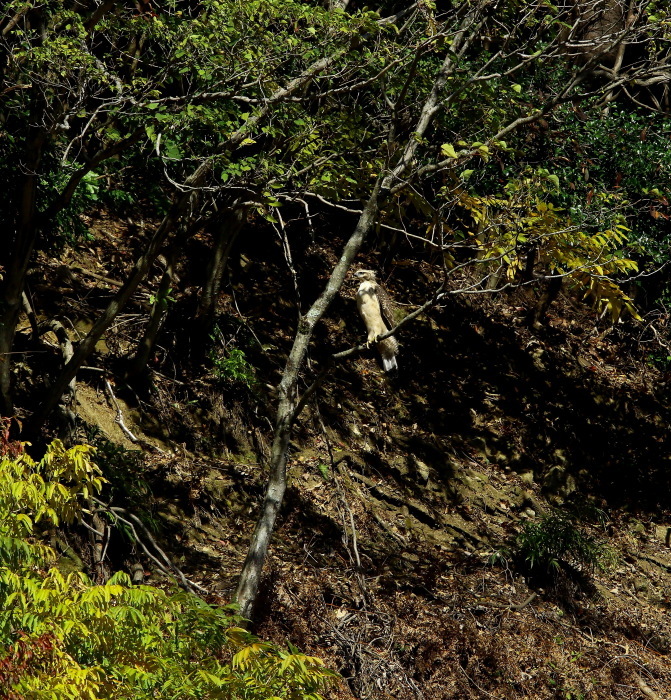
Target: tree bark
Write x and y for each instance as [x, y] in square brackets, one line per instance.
[250, 576]
[31, 223]
[67, 416]
[549, 294]
[19, 255]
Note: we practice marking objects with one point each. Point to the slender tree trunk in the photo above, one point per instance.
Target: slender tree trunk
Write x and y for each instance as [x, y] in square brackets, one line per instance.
[66, 414]
[530, 263]
[159, 311]
[139, 271]
[31, 224]
[8, 319]
[250, 576]
[494, 278]
[16, 267]
[226, 235]
[550, 293]
[9, 314]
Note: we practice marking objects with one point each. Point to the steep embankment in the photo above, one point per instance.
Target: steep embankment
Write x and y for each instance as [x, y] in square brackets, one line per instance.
[396, 556]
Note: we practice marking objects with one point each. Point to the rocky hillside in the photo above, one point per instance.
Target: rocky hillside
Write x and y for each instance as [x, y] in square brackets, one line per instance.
[491, 522]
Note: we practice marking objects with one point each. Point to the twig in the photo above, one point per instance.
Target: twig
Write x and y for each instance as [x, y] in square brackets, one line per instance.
[166, 566]
[119, 415]
[96, 276]
[286, 249]
[335, 466]
[27, 307]
[92, 529]
[100, 540]
[524, 604]
[167, 378]
[108, 531]
[119, 421]
[165, 557]
[355, 548]
[357, 648]
[474, 684]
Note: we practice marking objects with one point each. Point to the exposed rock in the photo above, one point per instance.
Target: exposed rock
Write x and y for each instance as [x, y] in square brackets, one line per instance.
[559, 482]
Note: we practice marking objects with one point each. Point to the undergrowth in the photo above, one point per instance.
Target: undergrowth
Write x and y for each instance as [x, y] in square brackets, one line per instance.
[556, 540]
[63, 637]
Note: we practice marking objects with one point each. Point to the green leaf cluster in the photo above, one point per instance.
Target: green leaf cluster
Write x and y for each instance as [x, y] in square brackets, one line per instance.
[62, 637]
[556, 539]
[230, 364]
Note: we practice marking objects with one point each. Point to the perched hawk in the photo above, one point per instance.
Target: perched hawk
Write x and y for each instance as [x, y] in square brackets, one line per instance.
[377, 313]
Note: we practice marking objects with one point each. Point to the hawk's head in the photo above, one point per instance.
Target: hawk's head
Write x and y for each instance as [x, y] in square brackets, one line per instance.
[365, 275]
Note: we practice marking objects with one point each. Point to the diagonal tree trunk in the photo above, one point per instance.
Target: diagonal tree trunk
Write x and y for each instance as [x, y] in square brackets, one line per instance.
[137, 274]
[289, 401]
[159, 311]
[250, 577]
[226, 235]
[32, 223]
[162, 233]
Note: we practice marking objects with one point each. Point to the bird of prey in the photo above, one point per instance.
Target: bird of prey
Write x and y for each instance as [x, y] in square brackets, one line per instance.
[377, 312]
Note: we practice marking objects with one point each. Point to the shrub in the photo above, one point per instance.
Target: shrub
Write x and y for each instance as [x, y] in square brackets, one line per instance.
[554, 541]
[63, 637]
[229, 364]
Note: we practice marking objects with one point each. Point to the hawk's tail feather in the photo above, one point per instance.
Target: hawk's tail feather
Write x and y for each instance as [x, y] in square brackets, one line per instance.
[388, 349]
[389, 363]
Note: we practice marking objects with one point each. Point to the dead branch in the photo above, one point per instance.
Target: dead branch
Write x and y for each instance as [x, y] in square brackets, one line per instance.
[647, 690]
[164, 563]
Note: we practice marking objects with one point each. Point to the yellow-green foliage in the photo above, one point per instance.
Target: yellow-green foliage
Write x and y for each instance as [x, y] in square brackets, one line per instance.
[508, 226]
[63, 637]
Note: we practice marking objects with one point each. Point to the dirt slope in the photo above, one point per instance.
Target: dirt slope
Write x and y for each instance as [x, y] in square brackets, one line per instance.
[396, 555]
